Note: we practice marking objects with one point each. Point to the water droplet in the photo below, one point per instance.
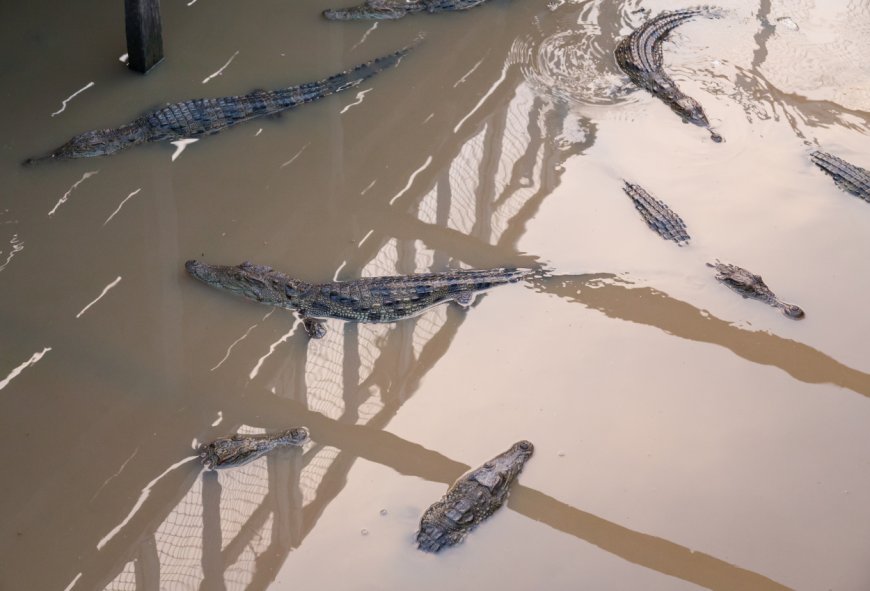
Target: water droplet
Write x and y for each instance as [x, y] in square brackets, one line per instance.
[561, 454]
[383, 511]
[364, 531]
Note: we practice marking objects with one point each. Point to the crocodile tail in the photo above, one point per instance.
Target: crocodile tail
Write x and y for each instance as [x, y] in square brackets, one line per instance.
[304, 93]
[852, 179]
[367, 11]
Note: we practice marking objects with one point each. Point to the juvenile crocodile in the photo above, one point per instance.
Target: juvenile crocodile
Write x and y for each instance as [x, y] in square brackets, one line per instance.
[640, 56]
[471, 499]
[371, 299]
[852, 179]
[395, 9]
[657, 215]
[750, 285]
[230, 452]
[201, 117]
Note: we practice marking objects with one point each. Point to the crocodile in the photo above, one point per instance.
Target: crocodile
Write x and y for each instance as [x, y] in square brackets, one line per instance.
[640, 56]
[852, 179]
[657, 215]
[370, 299]
[202, 117]
[471, 499]
[238, 450]
[395, 9]
[750, 285]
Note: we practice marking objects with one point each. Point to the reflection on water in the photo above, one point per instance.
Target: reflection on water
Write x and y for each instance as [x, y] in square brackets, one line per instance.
[65, 197]
[450, 166]
[570, 56]
[71, 97]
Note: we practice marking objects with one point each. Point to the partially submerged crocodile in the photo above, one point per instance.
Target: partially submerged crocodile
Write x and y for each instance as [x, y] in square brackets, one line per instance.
[395, 9]
[750, 285]
[230, 452]
[202, 117]
[640, 56]
[371, 299]
[471, 499]
[852, 179]
[657, 215]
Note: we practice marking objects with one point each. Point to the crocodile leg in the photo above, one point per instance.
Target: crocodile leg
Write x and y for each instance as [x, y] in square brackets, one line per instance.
[464, 298]
[315, 328]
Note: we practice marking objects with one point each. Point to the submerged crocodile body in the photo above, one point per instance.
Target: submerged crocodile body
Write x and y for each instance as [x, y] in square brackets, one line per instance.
[750, 285]
[395, 9]
[852, 179]
[657, 215]
[230, 452]
[640, 56]
[202, 117]
[471, 499]
[371, 299]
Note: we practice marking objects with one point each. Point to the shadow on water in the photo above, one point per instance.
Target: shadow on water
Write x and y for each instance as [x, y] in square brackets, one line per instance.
[645, 305]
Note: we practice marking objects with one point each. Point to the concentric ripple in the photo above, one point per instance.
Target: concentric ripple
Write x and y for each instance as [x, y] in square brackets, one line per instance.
[571, 58]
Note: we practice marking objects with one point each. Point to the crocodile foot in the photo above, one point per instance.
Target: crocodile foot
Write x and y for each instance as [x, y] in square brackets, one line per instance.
[316, 329]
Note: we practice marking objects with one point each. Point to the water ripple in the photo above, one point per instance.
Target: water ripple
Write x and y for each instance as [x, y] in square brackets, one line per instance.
[570, 56]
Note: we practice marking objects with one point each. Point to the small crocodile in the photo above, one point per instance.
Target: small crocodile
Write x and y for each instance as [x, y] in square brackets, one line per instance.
[202, 117]
[371, 299]
[238, 450]
[640, 56]
[852, 179]
[750, 285]
[471, 499]
[395, 9]
[657, 215]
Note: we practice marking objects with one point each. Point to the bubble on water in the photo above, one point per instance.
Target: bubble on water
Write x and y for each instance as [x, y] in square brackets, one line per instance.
[364, 531]
[383, 511]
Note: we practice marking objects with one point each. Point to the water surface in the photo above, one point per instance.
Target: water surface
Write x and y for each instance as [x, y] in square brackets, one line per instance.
[685, 438]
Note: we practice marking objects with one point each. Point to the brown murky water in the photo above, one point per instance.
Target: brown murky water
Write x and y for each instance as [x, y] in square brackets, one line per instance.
[685, 438]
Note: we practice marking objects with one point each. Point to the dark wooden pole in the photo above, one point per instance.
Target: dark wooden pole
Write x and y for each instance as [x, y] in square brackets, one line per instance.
[144, 33]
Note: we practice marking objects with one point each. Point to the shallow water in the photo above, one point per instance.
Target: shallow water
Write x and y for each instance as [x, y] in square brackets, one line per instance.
[685, 438]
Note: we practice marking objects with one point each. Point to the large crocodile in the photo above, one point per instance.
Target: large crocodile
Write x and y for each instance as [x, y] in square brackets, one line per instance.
[657, 215]
[371, 299]
[471, 499]
[230, 452]
[640, 56]
[201, 117]
[750, 285]
[395, 9]
[852, 179]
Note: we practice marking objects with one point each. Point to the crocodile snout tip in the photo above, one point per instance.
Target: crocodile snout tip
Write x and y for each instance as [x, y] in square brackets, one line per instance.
[192, 266]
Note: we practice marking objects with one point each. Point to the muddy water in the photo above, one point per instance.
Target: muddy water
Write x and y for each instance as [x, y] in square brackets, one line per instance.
[685, 438]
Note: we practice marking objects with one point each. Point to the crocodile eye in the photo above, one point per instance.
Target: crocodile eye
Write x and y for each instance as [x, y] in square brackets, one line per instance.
[488, 466]
[524, 445]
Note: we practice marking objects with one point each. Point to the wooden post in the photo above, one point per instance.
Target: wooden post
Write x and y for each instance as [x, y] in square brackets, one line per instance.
[144, 34]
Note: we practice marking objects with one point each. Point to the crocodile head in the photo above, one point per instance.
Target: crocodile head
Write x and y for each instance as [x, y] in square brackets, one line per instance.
[690, 110]
[498, 473]
[238, 450]
[255, 282]
[98, 142]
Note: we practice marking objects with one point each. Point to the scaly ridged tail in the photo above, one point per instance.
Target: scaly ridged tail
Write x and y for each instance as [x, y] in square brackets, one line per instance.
[852, 179]
[657, 215]
[304, 93]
